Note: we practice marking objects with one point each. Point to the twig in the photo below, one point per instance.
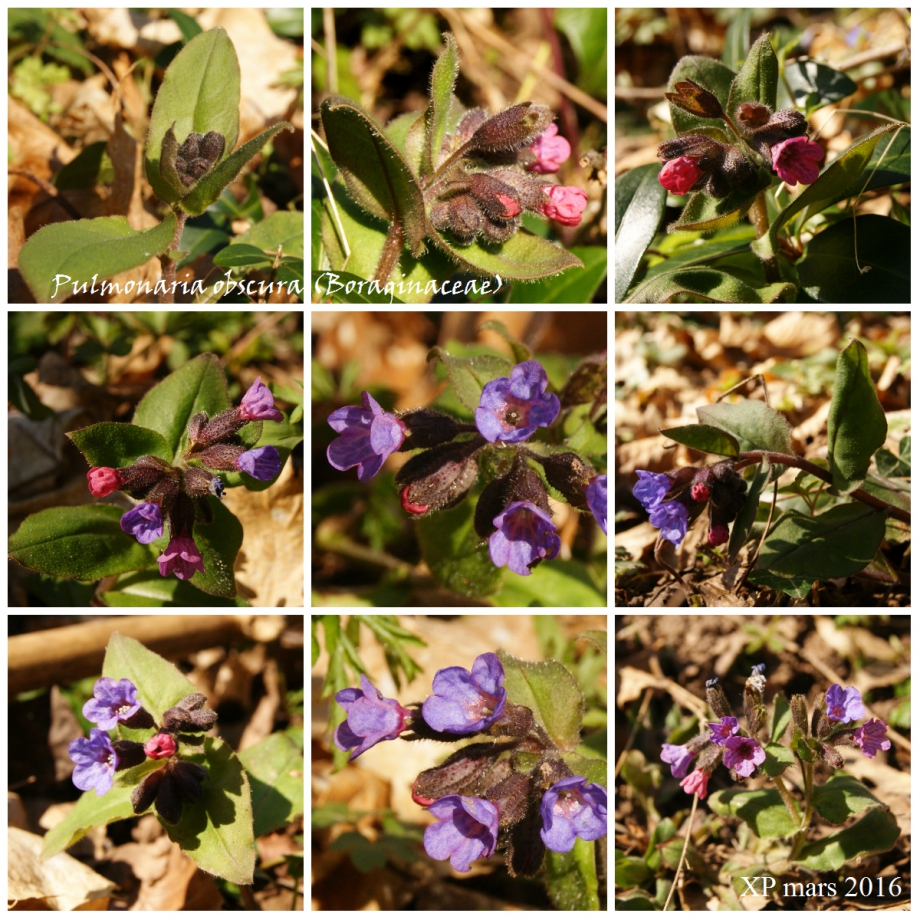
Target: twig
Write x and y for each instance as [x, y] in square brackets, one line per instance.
[680, 862]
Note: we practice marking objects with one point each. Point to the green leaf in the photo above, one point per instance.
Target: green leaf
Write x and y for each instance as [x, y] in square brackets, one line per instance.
[753, 424]
[76, 251]
[710, 74]
[443, 77]
[469, 375]
[834, 544]
[118, 445]
[520, 351]
[737, 39]
[856, 424]
[815, 85]
[169, 153]
[377, 175]
[218, 543]
[797, 586]
[283, 228]
[843, 796]
[275, 768]
[85, 543]
[594, 770]
[550, 691]
[211, 186]
[91, 166]
[877, 832]
[782, 716]
[200, 93]
[744, 522]
[640, 203]
[630, 871]
[829, 270]
[197, 386]
[762, 810]
[758, 79]
[148, 588]
[571, 878]
[706, 438]
[707, 284]
[558, 583]
[778, 759]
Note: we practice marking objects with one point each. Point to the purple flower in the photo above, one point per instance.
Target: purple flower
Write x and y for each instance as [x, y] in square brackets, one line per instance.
[671, 519]
[651, 488]
[259, 404]
[797, 160]
[550, 150]
[368, 436]
[596, 494]
[512, 408]
[678, 757]
[467, 701]
[871, 737]
[572, 808]
[113, 701]
[371, 718]
[525, 533]
[743, 754]
[844, 705]
[145, 522]
[723, 730]
[95, 759]
[261, 463]
[696, 782]
[181, 557]
[467, 829]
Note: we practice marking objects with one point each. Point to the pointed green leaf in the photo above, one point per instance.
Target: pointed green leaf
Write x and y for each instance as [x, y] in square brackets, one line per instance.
[57, 256]
[469, 375]
[200, 93]
[571, 878]
[753, 424]
[877, 832]
[856, 424]
[640, 203]
[275, 769]
[782, 716]
[762, 810]
[843, 796]
[758, 79]
[443, 78]
[707, 284]
[117, 445]
[748, 513]
[704, 437]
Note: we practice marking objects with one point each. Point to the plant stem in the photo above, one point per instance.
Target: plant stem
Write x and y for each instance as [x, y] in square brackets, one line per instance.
[758, 215]
[392, 248]
[790, 803]
[169, 263]
[756, 456]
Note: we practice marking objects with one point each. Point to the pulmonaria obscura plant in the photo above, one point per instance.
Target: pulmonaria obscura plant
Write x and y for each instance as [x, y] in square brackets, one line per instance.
[499, 451]
[159, 757]
[734, 150]
[522, 791]
[450, 182]
[177, 458]
[776, 810]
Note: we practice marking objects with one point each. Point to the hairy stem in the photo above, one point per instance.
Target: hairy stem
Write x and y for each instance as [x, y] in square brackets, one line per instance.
[392, 248]
[758, 215]
[791, 805]
[168, 263]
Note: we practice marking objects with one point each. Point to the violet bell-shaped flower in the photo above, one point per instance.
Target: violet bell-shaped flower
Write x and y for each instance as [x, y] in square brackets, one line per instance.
[113, 701]
[572, 808]
[596, 495]
[844, 705]
[371, 718]
[743, 755]
[526, 534]
[467, 829]
[679, 757]
[367, 436]
[96, 761]
[263, 463]
[797, 160]
[512, 408]
[723, 730]
[144, 522]
[467, 701]
[259, 404]
[871, 737]
[181, 557]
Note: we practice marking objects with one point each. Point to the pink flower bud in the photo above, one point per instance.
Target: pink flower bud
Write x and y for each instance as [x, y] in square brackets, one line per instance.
[797, 160]
[700, 492]
[409, 506]
[566, 204]
[103, 480]
[160, 746]
[679, 175]
[551, 151]
[718, 535]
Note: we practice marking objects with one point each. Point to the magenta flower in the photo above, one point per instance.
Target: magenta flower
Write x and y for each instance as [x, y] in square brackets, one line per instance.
[160, 746]
[467, 829]
[743, 755]
[367, 436]
[550, 150]
[566, 204]
[181, 557]
[671, 519]
[871, 737]
[259, 404]
[467, 701]
[113, 701]
[844, 705]
[797, 160]
[144, 522]
[525, 534]
[96, 761]
[262, 463]
[596, 494]
[695, 783]
[723, 730]
[103, 480]
[679, 175]
[678, 757]
[371, 718]
[572, 808]
[512, 408]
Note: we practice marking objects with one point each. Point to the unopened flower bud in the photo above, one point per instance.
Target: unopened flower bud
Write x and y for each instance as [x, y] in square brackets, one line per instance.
[695, 99]
[798, 705]
[439, 478]
[427, 428]
[103, 480]
[160, 747]
[515, 127]
[499, 200]
[520, 484]
[570, 475]
[716, 698]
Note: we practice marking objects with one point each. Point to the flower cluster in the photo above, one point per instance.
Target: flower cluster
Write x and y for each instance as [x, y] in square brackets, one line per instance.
[98, 758]
[180, 495]
[831, 725]
[675, 499]
[481, 802]
[513, 511]
[487, 175]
